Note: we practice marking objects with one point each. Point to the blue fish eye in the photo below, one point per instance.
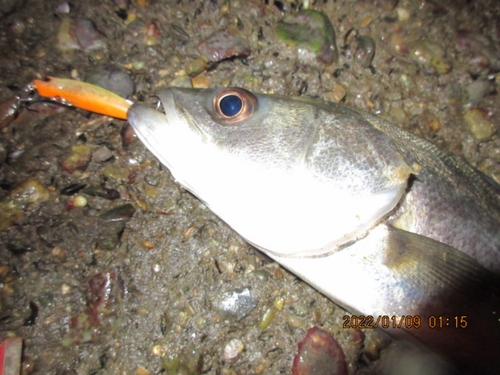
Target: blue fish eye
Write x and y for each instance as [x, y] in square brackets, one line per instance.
[230, 105]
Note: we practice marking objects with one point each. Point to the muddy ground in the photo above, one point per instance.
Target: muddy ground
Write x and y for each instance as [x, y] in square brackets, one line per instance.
[133, 281]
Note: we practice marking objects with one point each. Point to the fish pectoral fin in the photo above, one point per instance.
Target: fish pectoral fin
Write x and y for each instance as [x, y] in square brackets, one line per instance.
[450, 290]
[430, 265]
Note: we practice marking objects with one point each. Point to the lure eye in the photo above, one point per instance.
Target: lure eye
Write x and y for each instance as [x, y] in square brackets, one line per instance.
[234, 105]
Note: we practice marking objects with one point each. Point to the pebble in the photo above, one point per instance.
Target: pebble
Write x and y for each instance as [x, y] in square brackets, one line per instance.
[102, 154]
[374, 342]
[8, 112]
[109, 235]
[224, 44]
[127, 134]
[365, 21]
[236, 303]
[78, 201]
[431, 56]
[310, 30]
[398, 44]
[80, 33]
[336, 95]
[72, 189]
[267, 318]
[233, 349]
[118, 214]
[104, 296]
[479, 124]
[319, 354]
[483, 53]
[200, 82]
[403, 14]
[102, 191]
[477, 90]
[79, 158]
[152, 180]
[294, 321]
[63, 8]
[279, 303]
[112, 79]
[151, 34]
[195, 67]
[29, 193]
[365, 50]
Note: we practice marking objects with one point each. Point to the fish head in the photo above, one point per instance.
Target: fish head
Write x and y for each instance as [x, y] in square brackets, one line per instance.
[294, 177]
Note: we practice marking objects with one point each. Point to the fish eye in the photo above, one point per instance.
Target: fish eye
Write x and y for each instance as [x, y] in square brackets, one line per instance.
[234, 105]
[230, 105]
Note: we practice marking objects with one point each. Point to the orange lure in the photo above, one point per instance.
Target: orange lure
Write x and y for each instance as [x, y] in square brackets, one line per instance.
[84, 96]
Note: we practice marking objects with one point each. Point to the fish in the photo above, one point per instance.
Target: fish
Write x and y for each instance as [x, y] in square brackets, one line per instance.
[400, 233]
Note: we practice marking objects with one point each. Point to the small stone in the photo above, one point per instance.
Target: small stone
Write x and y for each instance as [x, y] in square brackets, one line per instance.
[431, 56]
[159, 350]
[365, 21]
[118, 214]
[72, 189]
[294, 321]
[65, 289]
[79, 158]
[233, 349]
[148, 245]
[30, 193]
[478, 90]
[278, 303]
[181, 81]
[236, 303]
[403, 14]
[479, 124]
[112, 79]
[365, 50]
[75, 34]
[337, 95]
[224, 44]
[151, 179]
[151, 34]
[78, 201]
[105, 293]
[310, 30]
[434, 125]
[128, 135]
[200, 82]
[267, 318]
[101, 191]
[109, 235]
[195, 67]
[320, 354]
[398, 44]
[102, 154]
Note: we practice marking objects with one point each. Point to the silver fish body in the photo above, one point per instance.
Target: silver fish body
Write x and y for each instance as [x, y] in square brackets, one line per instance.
[379, 220]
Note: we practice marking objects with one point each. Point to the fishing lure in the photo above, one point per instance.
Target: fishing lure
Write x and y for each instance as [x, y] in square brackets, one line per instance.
[83, 95]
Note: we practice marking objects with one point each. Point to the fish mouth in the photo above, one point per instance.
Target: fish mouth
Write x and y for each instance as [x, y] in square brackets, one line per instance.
[165, 130]
[151, 123]
[176, 112]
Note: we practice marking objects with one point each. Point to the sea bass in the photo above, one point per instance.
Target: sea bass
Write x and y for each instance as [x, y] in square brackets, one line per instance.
[379, 220]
